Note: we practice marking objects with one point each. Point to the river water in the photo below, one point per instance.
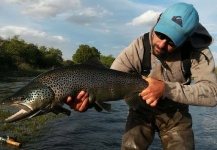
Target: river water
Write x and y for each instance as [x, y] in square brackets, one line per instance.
[103, 131]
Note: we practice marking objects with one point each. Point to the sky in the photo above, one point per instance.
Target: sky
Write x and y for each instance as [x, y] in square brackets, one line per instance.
[108, 25]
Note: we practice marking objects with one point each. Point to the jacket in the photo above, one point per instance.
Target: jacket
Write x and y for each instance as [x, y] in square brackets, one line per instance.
[202, 92]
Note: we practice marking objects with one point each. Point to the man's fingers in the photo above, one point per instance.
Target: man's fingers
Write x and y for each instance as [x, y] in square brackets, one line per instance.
[83, 105]
[153, 104]
[81, 95]
[75, 104]
[68, 100]
[149, 101]
[80, 103]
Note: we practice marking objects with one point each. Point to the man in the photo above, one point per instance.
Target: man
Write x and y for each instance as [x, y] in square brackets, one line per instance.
[166, 99]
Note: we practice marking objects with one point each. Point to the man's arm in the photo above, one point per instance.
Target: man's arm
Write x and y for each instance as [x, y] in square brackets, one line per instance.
[130, 59]
[204, 90]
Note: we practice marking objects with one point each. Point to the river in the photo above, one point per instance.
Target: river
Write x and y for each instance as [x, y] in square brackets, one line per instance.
[103, 131]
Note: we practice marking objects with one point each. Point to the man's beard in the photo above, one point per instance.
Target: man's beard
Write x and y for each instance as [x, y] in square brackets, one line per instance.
[159, 55]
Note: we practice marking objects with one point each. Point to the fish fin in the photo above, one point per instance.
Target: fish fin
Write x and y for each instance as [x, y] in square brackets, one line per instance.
[104, 106]
[59, 109]
[37, 113]
[95, 61]
[92, 99]
[133, 101]
[97, 107]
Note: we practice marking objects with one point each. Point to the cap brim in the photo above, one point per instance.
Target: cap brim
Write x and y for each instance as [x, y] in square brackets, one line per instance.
[165, 28]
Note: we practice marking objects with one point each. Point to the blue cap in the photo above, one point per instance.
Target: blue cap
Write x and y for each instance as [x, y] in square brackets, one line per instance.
[178, 22]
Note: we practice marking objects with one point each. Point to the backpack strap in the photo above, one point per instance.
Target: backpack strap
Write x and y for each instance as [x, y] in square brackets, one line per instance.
[146, 62]
[186, 50]
[185, 58]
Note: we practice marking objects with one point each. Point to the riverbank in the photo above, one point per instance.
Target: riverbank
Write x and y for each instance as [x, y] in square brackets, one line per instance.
[20, 73]
[27, 130]
[12, 75]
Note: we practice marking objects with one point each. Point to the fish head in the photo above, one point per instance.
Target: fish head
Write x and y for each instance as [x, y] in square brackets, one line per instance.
[33, 100]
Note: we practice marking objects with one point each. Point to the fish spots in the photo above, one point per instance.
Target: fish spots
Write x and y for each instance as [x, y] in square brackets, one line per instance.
[55, 85]
[39, 97]
[112, 92]
[48, 91]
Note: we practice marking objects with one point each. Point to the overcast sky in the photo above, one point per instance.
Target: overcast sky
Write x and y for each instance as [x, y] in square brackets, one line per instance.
[108, 25]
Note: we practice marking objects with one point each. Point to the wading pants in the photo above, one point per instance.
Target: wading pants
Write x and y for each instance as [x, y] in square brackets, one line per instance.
[174, 128]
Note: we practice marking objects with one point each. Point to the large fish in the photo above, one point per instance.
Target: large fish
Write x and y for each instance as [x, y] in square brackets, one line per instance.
[48, 91]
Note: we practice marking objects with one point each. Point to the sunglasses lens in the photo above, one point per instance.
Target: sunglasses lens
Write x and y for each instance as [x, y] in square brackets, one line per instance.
[160, 35]
[163, 36]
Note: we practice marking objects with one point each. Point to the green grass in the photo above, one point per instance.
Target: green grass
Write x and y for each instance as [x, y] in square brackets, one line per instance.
[25, 130]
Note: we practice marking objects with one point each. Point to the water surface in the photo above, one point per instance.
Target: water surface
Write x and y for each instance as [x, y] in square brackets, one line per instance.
[103, 131]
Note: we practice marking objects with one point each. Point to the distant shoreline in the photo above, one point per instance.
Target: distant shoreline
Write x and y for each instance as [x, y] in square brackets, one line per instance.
[26, 73]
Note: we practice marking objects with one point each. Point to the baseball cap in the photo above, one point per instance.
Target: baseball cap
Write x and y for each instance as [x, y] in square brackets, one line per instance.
[178, 22]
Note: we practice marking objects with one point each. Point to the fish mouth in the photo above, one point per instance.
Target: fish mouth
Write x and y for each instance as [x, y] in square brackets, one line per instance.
[24, 113]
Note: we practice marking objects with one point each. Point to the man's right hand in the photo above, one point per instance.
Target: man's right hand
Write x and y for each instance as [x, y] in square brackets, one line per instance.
[80, 103]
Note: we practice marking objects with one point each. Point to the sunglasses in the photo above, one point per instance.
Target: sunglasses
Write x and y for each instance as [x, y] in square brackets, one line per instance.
[164, 37]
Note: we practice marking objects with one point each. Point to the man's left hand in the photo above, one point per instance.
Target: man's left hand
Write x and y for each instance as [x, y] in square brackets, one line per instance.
[153, 92]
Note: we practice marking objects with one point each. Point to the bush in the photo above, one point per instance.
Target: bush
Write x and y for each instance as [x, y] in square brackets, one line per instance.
[24, 67]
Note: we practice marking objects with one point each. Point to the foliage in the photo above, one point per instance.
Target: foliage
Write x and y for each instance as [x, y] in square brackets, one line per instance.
[16, 54]
[20, 58]
[68, 63]
[107, 60]
[24, 66]
[85, 52]
[53, 58]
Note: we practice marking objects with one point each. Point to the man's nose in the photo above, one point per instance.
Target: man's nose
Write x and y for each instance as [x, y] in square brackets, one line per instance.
[162, 43]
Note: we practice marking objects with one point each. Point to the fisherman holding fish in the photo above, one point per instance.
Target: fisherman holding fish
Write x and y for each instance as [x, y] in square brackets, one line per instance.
[176, 40]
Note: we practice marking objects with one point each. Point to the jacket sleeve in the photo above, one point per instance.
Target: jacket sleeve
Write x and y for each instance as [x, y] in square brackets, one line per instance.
[203, 91]
[129, 60]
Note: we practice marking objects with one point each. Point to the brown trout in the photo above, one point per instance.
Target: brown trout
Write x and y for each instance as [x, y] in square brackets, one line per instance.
[48, 91]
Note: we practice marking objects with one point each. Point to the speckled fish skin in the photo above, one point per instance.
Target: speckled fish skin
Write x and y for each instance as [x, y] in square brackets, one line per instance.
[48, 92]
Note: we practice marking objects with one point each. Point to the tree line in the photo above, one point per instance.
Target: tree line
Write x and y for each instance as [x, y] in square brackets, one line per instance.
[16, 54]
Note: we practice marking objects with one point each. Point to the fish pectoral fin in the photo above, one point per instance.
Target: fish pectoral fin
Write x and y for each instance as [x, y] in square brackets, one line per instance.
[59, 109]
[133, 101]
[104, 106]
[97, 107]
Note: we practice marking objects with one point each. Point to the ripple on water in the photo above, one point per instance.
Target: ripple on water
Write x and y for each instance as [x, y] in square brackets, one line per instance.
[92, 130]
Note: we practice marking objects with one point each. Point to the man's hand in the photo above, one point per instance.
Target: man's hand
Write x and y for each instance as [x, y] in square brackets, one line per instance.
[79, 103]
[153, 92]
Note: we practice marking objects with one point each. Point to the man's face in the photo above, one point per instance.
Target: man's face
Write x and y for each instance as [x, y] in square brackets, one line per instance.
[162, 45]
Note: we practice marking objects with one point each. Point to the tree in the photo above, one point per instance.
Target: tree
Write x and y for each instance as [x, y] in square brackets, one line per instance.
[5, 59]
[32, 55]
[14, 48]
[16, 54]
[107, 60]
[85, 52]
[68, 63]
[53, 58]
